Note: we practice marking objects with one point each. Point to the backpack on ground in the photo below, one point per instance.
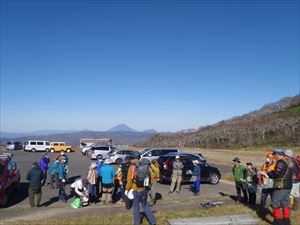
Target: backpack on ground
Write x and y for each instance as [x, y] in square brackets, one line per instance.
[142, 175]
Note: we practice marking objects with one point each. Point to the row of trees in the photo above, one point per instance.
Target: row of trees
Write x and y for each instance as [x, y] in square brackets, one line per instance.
[277, 128]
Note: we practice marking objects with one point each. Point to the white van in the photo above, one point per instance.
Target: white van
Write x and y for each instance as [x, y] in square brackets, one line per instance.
[37, 146]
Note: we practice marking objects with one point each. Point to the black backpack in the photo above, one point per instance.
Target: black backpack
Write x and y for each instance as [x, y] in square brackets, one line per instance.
[124, 169]
[142, 175]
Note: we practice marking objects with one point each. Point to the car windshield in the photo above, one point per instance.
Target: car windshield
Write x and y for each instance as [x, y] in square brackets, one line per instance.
[1, 170]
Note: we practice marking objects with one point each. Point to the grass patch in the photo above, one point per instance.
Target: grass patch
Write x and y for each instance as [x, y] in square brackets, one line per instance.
[293, 111]
[161, 216]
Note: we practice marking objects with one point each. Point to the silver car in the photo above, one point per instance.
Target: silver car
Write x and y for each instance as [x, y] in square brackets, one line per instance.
[100, 151]
[119, 156]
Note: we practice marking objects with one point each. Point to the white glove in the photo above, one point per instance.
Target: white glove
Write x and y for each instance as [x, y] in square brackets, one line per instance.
[63, 180]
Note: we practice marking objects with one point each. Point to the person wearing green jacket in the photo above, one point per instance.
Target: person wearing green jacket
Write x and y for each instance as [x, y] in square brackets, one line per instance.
[238, 171]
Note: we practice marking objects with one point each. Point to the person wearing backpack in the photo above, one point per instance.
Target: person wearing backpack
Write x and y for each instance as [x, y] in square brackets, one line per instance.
[176, 175]
[53, 172]
[283, 182]
[124, 171]
[154, 173]
[138, 180]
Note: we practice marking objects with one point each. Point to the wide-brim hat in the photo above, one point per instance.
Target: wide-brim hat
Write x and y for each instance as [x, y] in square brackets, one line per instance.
[249, 163]
[236, 159]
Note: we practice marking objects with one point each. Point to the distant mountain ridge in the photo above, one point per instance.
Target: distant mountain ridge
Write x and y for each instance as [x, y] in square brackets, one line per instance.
[120, 134]
[275, 124]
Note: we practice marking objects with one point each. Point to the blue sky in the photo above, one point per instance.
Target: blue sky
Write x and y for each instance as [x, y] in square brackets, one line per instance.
[167, 65]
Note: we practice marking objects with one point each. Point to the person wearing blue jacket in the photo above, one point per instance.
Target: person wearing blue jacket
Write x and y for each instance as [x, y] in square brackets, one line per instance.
[196, 177]
[61, 179]
[107, 174]
[99, 164]
[53, 171]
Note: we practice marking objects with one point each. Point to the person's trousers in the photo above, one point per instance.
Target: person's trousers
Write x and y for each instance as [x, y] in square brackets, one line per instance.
[281, 198]
[93, 193]
[252, 198]
[240, 188]
[176, 180]
[197, 184]
[45, 177]
[61, 191]
[140, 199]
[32, 191]
[152, 191]
[107, 190]
[264, 195]
[53, 179]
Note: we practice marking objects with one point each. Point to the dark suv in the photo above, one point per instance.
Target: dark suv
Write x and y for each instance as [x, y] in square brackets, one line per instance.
[208, 173]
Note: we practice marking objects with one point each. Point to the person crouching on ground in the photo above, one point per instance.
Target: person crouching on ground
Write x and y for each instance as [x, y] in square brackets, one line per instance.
[92, 178]
[238, 173]
[79, 188]
[139, 192]
[283, 182]
[251, 182]
[196, 173]
[264, 180]
[35, 176]
[176, 175]
[107, 173]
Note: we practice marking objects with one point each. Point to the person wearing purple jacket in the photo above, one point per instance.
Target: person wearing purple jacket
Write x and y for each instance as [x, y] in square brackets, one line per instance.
[43, 164]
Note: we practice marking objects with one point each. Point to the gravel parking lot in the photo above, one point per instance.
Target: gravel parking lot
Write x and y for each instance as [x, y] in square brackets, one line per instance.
[78, 167]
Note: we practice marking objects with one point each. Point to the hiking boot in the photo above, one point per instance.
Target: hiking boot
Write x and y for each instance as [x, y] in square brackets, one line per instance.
[286, 221]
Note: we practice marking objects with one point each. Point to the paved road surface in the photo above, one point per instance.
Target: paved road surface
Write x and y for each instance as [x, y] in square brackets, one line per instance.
[78, 166]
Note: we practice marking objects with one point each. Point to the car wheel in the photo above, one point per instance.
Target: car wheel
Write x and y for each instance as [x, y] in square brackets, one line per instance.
[68, 150]
[47, 150]
[213, 178]
[5, 199]
[52, 150]
[33, 150]
[119, 161]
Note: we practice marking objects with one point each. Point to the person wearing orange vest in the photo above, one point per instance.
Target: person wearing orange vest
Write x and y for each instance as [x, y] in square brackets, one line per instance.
[264, 180]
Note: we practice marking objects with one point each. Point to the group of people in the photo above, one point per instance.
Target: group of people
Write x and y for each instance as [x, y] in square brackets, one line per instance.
[177, 168]
[37, 177]
[279, 177]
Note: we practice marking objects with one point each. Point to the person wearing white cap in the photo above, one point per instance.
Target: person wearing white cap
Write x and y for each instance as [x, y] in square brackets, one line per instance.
[107, 173]
[196, 177]
[176, 175]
